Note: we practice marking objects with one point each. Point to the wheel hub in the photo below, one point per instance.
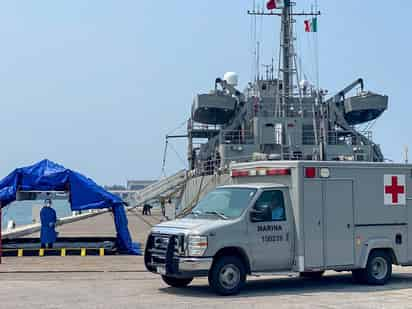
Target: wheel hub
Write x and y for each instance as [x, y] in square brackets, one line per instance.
[229, 276]
[379, 268]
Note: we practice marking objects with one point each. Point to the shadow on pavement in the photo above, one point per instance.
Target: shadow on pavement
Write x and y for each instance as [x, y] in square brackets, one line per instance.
[340, 283]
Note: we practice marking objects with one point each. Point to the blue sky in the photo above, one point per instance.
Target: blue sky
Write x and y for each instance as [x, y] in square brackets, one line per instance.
[96, 84]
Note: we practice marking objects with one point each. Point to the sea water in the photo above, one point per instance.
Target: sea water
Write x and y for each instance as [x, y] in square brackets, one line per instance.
[22, 212]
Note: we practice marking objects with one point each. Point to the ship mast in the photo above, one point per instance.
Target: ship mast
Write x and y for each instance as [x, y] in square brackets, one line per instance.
[287, 54]
[288, 67]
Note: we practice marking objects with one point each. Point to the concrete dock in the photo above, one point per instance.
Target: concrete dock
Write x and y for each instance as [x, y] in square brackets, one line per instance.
[100, 225]
[122, 282]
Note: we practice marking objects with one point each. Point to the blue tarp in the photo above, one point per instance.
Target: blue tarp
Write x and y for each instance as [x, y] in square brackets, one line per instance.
[84, 194]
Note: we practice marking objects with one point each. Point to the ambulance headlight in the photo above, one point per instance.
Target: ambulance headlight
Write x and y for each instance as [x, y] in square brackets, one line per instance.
[196, 245]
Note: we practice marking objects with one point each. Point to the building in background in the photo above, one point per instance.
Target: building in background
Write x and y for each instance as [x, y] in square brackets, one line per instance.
[128, 193]
[135, 185]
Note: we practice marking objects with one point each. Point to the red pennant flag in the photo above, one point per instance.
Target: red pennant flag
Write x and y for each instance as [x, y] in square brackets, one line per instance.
[307, 25]
[271, 5]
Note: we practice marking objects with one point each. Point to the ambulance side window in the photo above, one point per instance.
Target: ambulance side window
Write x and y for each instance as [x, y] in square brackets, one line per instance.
[274, 199]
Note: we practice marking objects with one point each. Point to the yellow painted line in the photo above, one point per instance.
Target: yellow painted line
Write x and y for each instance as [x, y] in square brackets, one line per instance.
[63, 251]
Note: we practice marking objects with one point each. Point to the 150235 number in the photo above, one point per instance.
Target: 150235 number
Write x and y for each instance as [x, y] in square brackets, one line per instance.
[272, 238]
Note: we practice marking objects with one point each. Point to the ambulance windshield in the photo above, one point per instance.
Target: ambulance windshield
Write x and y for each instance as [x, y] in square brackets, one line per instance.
[224, 203]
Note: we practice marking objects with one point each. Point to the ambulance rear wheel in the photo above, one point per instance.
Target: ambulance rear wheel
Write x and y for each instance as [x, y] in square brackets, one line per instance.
[177, 282]
[378, 268]
[227, 275]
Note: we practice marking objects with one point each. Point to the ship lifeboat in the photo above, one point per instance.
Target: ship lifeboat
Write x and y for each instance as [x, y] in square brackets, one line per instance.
[364, 107]
[213, 108]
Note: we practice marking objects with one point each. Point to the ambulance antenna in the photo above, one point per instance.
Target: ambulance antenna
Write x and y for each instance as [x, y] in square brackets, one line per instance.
[406, 154]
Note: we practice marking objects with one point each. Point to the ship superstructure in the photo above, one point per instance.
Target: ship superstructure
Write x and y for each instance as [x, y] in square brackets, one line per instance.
[279, 117]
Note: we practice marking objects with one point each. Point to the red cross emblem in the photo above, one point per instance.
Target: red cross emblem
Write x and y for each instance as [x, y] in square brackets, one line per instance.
[395, 190]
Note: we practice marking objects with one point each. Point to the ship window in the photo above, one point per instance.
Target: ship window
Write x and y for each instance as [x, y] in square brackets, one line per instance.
[264, 87]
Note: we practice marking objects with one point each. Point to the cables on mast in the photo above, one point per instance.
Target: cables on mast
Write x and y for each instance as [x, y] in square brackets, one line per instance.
[317, 53]
[168, 136]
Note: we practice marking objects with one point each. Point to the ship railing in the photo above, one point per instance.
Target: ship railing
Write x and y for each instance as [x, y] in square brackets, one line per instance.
[217, 166]
[203, 127]
[367, 134]
[207, 167]
[296, 109]
[335, 137]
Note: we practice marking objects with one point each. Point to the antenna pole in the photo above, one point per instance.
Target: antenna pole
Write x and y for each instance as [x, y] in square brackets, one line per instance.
[258, 60]
[286, 53]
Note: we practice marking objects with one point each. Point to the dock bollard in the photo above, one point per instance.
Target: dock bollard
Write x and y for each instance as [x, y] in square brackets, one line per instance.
[101, 251]
[63, 252]
[19, 252]
[41, 252]
[83, 252]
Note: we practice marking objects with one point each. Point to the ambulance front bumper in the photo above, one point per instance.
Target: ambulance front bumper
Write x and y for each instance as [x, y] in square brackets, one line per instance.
[162, 257]
[194, 265]
[183, 267]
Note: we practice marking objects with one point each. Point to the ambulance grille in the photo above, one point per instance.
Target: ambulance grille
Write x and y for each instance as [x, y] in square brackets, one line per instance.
[158, 246]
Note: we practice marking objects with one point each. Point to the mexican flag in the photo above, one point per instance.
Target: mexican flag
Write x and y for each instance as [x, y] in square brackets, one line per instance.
[277, 4]
[311, 25]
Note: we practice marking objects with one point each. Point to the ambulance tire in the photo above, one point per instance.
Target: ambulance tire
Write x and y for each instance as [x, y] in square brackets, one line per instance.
[379, 268]
[315, 275]
[227, 275]
[177, 282]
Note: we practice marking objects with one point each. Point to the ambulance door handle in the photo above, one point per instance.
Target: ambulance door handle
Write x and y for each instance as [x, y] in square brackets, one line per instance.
[319, 223]
[348, 225]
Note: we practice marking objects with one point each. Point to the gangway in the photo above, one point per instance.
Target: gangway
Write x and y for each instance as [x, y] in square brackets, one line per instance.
[157, 189]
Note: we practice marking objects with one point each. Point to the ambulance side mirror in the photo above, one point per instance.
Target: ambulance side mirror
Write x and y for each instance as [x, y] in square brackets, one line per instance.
[261, 213]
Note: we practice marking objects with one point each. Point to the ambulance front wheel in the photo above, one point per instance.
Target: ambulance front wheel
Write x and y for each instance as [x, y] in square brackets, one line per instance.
[227, 275]
[379, 268]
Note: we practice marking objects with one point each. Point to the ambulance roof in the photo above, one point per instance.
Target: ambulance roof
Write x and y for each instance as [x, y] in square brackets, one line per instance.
[255, 185]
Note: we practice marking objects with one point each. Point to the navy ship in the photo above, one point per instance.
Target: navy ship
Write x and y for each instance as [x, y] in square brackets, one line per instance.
[278, 116]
